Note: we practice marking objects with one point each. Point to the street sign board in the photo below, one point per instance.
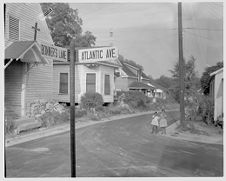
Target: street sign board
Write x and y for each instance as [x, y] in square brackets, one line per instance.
[97, 54]
[54, 52]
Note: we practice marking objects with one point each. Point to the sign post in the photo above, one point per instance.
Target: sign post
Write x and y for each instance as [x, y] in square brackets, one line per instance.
[72, 108]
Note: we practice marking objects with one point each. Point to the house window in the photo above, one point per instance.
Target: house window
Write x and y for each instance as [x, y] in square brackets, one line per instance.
[91, 82]
[63, 83]
[107, 89]
[13, 28]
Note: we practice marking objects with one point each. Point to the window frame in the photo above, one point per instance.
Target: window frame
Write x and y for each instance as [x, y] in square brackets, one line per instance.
[65, 93]
[94, 73]
[12, 16]
[108, 93]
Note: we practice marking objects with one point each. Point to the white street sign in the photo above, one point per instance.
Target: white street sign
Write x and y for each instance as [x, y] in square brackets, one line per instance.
[54, 52]
[97, 54]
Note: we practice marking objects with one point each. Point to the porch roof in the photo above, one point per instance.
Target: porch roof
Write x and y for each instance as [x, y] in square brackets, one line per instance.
[26, 51]
[140, 85]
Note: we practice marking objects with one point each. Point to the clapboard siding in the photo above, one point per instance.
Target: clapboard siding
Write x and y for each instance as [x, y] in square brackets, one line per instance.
[122, 83]
[13, 89]
[107, 71]
[80, 81]
[27, 14]
[218, 95]
[36, 79]
[39, 82]
[57, 69]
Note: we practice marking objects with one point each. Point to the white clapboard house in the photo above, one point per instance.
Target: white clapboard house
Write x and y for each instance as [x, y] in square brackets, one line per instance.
[28, 74]
[216, 92]
[94, 72]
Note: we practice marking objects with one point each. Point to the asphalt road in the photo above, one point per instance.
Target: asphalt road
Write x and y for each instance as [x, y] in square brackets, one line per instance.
[122, 148]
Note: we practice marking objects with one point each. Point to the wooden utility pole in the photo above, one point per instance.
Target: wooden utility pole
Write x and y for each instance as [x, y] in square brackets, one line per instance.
[72, 107]
[181, 62]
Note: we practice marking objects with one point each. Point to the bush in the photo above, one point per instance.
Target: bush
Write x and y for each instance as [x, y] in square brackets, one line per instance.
[119, 110]
[206, 109]
[53, 118]
[136, 99]
[80, 113]
[93, 116]
[91, 100]
[10, 126]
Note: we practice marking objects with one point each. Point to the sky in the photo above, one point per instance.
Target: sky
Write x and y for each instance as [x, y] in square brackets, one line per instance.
[147, 32]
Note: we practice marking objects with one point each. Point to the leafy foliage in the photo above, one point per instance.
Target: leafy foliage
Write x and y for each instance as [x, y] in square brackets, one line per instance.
[206, 78]
[206, 109]
[80, 113]
[86, 40]
[191, 80]
[10, 126]
[165, 81]
[91, 100]
[64, 24]
[136, 99]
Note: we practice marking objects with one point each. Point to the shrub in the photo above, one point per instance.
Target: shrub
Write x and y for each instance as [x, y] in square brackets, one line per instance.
[206, 109]
[80, 113]
[53, 118]
[91, 100]
[136, 99]
[93, 116]
[10, 126]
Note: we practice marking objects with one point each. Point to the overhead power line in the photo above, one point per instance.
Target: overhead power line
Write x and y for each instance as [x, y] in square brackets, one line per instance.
[204, 29]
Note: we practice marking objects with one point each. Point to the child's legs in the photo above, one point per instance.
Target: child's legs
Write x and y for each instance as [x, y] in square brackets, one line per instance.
[153, 129]
[164, 130]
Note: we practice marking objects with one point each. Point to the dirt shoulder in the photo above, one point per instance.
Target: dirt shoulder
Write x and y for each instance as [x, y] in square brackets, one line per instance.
[199, 133]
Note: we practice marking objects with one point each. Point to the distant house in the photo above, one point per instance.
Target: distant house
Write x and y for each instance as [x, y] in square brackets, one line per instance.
[132, 77]
[216, 91]
[28, 75]
[89, 77]
[159, 91]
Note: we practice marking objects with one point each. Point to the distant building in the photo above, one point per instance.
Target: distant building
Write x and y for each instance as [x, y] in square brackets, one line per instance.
[159, 91]
[131, 77]
[216, 91]
[28, 75]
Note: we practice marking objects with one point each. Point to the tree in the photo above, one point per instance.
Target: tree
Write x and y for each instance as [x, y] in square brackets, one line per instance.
[165, 81]
[205, 79]
[86, 40]
[191, 80]
[64, 24]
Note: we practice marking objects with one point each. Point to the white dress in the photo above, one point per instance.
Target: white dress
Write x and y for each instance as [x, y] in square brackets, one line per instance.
[163, 121]
[155, 121]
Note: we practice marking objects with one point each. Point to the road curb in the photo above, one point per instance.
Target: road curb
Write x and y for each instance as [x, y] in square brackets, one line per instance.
[62, 129]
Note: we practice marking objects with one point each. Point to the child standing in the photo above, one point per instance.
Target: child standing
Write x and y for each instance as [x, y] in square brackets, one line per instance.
[163, 122]
[155, 123]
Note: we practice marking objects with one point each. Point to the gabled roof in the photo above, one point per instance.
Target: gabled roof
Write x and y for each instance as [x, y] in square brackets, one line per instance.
[216, 72]
[127, 70]
[132, 65]
[157, 85]
[26, 51]
[144, 76]
[140, 85]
